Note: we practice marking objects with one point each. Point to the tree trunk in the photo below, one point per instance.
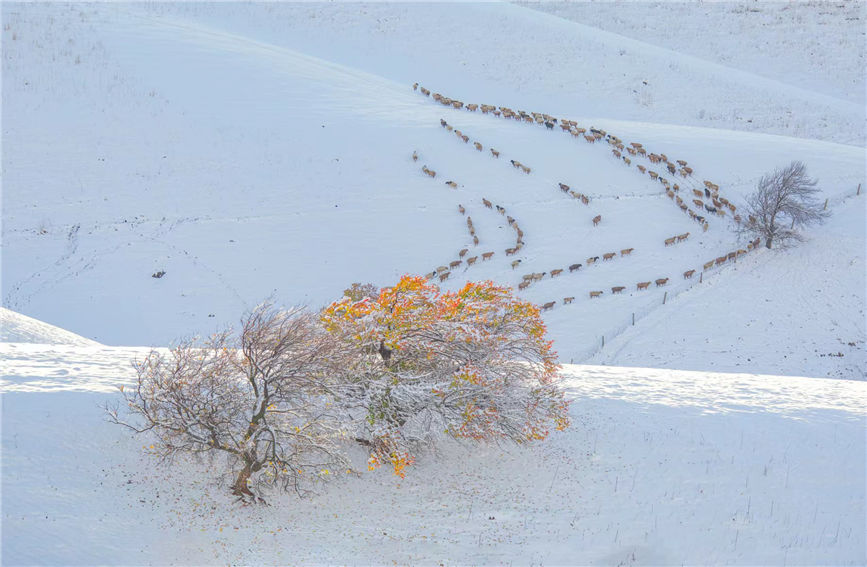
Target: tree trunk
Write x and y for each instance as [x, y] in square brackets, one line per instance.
[240, 488]
[768, 243]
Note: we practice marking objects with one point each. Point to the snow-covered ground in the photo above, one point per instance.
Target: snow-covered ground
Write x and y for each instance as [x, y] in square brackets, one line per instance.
[660, 468]
[253, 150]
[272, 157]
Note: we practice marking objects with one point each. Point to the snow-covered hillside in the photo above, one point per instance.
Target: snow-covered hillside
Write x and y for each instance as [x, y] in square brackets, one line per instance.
[660, 468]
[255, 150]
[167, 166]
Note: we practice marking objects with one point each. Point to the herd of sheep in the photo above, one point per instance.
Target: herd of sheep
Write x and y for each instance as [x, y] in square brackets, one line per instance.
[707, 198]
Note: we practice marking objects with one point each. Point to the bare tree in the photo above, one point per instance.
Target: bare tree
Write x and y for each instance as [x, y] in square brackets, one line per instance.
[263, 398]
[784, 200]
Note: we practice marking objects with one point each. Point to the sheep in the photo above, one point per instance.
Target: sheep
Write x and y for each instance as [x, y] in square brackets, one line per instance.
[555, 273]
[682, 237]
[495, 153]
[688, 274]
[487, 203]
[595, 294]
[616, 153]
[698, 203]
[731, 255]
[642, 285]
[429, 172]
[487, 256]
[549, 305]
[585, 199]
[424, 91]
[549, 125]
[563, 187]
[720, 261]
[589, 139]
[627, 161]
[471, 261]
[661, 282]
[470, 222]
[704, 227]
[465, 138]
[653, 175]
[631, 151]
[617, 289]
[641, 151]
[461, 209]
[697, 193]
[710, 209]
[707, 265]
[568, 300]
[455, 263]
[452, 184]
[478, 146]
[671, 169]
[591, 260]
[472, 107]
[608, 256]
[626, 251]
[653, 158]
[516, 263]
[475, 240]
[574, 267]
[681, 163]
[463, 252]
[670, 241]
[597, 219]
[525, 169]
[510, 220]
[511, 251]
[415, 86]
[684, 208]
[501, 210]
[443, 123]
[523, 285]
[457, 104]
[670, 193]
[415, 156]
[445, 276]
[538, 276]
[642, 169]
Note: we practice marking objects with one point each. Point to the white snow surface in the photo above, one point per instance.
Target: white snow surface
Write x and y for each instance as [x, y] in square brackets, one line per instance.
[660, 467]
[264, 150]
[254, 150]
[17, 328]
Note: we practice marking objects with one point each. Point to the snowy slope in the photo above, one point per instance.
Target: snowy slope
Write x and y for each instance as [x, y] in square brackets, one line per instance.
[17, 328]
[660, 468]
[267, 162]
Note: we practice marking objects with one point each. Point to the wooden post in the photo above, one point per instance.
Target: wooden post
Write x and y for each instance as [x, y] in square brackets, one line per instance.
[825, 208]
[664, 297]
[700, 276]
[633, 319]
[603, 341]
[859, 190]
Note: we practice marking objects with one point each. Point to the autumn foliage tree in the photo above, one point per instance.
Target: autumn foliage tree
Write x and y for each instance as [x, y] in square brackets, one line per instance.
[470, 364]
[264, 398]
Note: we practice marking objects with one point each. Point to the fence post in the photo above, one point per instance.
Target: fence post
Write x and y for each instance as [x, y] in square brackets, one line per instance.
[825, 208]
[700, 276]
[603, 341]
[859, 189]
[633, 319]
[664, 297]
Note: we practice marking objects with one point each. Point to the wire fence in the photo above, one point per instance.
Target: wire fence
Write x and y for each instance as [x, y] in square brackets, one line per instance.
[675, 289]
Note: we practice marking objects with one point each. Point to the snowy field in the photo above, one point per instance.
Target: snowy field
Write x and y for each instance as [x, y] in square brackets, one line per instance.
[660, 468]
[255, 150]
[267, 160]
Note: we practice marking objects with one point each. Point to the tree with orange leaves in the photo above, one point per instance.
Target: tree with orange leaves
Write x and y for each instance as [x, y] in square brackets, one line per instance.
[471, 364]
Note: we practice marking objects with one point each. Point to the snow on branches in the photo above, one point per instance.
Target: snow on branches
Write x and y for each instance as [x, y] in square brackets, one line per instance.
[470, 364]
